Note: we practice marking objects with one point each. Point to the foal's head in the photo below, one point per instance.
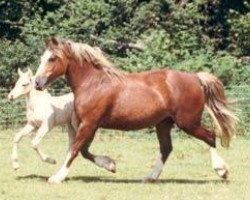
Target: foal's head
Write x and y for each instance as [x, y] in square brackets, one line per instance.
[22, 86]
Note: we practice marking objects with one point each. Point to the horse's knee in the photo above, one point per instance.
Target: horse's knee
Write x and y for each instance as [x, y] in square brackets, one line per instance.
[84, 153]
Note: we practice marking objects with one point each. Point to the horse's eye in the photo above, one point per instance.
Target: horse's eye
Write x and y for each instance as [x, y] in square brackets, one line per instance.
[26, 84]
[52, 58]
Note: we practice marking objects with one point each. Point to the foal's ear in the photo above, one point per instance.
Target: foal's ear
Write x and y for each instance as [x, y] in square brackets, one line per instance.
[19, 71]
[29, 72]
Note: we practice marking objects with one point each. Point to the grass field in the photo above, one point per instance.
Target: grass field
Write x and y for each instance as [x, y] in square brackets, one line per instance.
[187, 174]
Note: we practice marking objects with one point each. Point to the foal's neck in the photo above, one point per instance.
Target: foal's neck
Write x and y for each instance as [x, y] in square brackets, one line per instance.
[32, 96]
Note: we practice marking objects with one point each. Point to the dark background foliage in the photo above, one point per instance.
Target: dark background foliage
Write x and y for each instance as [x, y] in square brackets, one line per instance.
[208, 35]
[137, 35]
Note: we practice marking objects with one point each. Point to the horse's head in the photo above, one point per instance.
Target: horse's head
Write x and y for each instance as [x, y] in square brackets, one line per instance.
[60, 55]
[53, 63]
[22, 86]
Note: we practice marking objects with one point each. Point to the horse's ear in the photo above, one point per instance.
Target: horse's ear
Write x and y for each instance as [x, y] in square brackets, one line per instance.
[19, 71]
[54, 41]
[30, 73]
[50, 42]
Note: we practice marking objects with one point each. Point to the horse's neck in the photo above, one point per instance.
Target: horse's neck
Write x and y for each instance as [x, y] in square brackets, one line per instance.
[83, 76]
[32, 98]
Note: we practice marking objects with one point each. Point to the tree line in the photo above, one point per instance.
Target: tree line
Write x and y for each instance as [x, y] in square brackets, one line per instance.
[137, 35]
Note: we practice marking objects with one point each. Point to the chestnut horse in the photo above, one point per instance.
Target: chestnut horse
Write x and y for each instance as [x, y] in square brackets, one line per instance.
[109, 98]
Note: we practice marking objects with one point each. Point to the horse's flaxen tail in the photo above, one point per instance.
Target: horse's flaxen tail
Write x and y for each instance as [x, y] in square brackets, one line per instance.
[218, 107]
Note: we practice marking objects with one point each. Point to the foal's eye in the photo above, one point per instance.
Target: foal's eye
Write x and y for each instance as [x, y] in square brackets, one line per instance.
[26, 84]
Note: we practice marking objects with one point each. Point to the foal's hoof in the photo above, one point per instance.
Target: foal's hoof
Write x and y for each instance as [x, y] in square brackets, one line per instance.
[15, 166]
[53, 180]
[223, 173]
[50, 161]
[111, 167]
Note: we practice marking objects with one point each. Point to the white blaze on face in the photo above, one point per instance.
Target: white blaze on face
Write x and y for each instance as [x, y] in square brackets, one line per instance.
[44, 59]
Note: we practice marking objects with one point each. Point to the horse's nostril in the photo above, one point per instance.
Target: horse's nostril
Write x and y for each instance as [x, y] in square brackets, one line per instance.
[36, 83]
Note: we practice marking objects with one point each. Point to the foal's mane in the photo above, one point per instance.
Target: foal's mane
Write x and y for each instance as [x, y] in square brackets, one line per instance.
[85, 53]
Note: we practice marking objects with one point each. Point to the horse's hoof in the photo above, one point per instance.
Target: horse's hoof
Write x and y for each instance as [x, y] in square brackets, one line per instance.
[149, 180]
[106, 162]
[50, 161]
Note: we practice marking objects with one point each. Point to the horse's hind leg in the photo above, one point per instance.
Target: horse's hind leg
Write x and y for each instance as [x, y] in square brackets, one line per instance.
[198, 131]
[163, 134]
[218, 164]
[99, 160]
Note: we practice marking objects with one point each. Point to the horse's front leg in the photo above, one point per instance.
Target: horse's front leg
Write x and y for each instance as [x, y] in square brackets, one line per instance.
[85, 132]
[25, 131]
[99, 160]
[45, 128]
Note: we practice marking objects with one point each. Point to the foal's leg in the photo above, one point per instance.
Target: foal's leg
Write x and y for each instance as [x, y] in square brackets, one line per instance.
[163, 134]
[84, 133]
[208, 137]
[25, 131]
[45, 128]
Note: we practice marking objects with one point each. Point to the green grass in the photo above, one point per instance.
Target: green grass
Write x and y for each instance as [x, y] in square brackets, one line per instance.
[187, 173]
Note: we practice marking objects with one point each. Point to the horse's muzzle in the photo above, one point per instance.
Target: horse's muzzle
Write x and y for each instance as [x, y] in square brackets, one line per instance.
[40, 83]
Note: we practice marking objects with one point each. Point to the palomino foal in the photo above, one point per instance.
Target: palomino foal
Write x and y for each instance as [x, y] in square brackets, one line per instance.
[43, 113]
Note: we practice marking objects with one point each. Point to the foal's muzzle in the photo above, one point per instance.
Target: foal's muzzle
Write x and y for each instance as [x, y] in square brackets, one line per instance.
[40, 83]
[10, 97]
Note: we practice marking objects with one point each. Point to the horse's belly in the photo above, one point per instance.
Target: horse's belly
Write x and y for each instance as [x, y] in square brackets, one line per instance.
[136, 112]
[131, 124]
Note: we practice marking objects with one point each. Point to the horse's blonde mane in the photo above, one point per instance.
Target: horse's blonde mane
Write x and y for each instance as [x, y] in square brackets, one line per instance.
[83, 52]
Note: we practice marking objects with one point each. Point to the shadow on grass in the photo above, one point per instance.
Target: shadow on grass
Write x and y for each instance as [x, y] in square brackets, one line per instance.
[100, 179]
